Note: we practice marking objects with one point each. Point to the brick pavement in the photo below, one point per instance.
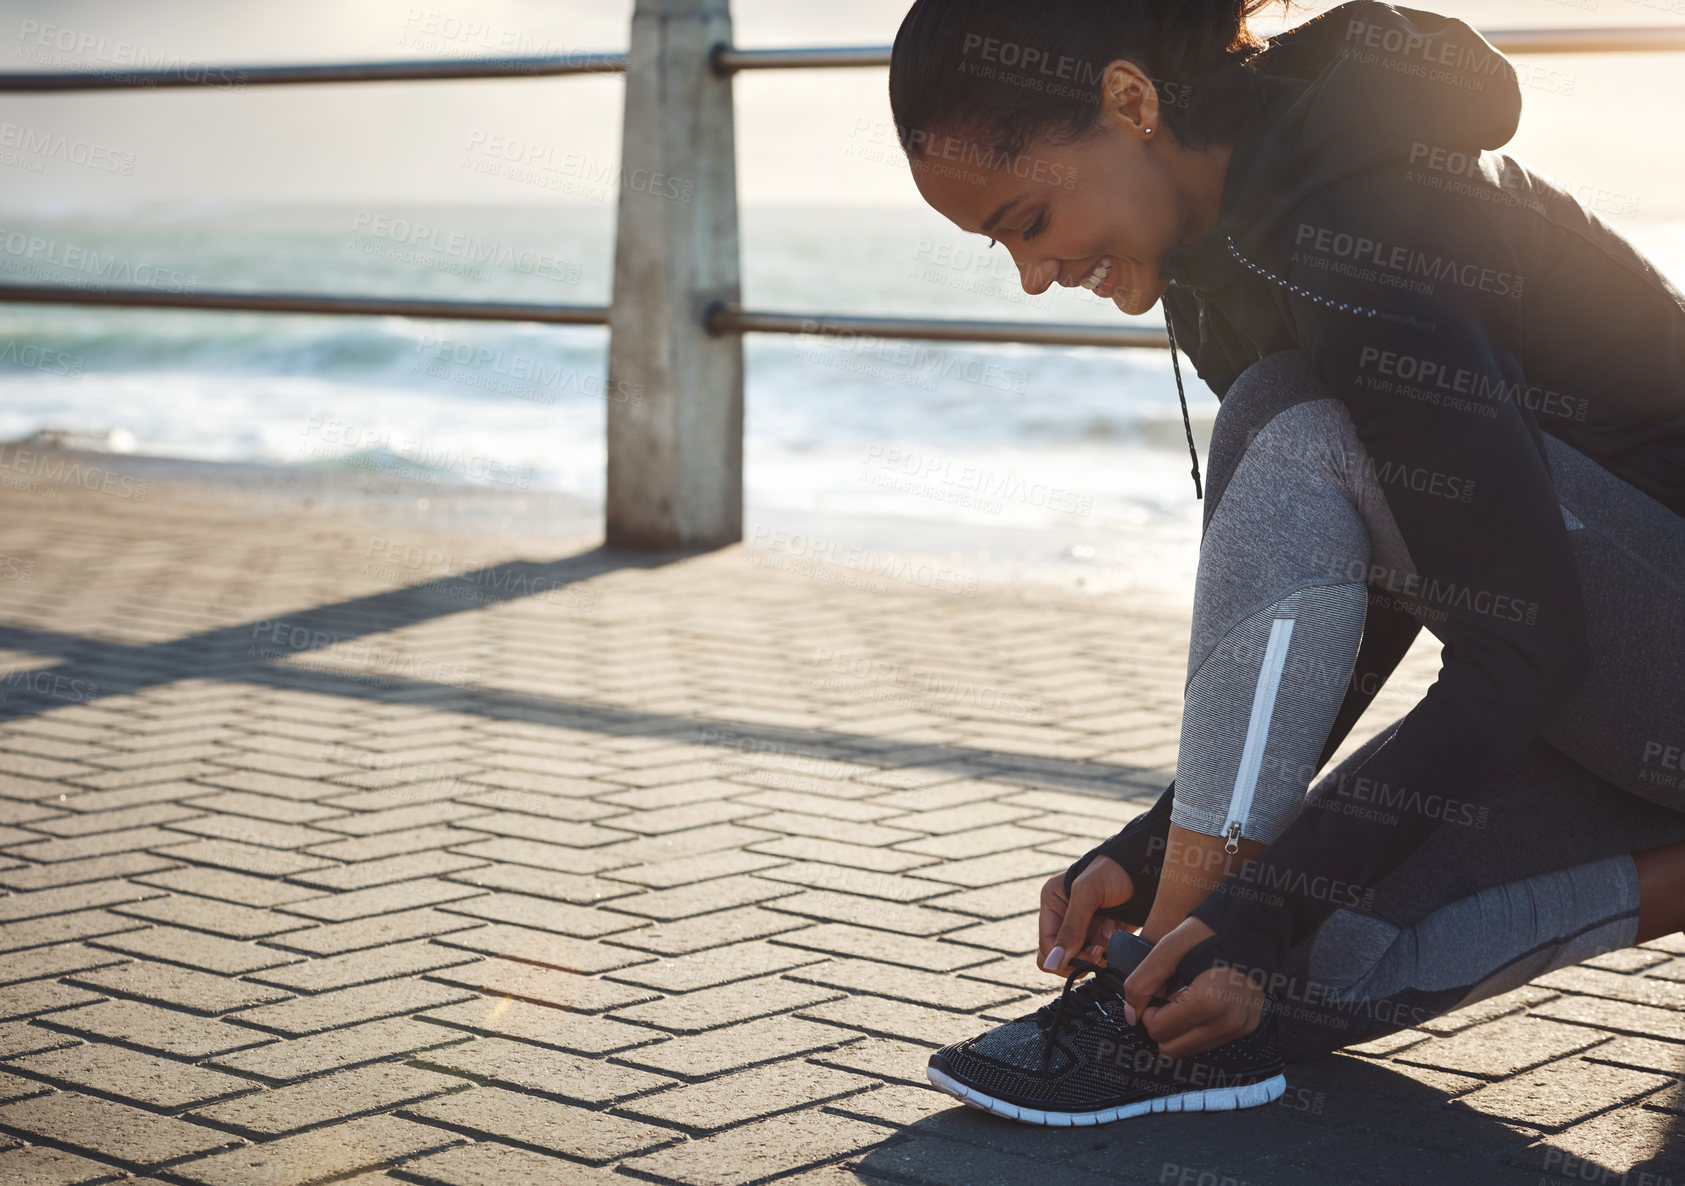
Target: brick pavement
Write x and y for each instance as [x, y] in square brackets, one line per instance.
[340, 847]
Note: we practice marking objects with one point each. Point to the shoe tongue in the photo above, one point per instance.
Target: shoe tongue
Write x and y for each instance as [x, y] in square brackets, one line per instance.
[1124, 953]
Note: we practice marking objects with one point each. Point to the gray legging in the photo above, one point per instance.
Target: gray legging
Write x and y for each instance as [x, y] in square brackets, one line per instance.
[1298, 539]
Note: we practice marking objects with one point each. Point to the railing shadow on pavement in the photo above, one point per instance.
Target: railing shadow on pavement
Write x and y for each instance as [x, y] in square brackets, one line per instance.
[257, 652]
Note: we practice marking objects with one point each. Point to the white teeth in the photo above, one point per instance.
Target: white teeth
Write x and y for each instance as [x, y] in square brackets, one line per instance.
[1098, 276]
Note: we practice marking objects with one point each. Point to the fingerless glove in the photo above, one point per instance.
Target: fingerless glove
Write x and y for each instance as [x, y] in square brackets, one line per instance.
[1139, 849]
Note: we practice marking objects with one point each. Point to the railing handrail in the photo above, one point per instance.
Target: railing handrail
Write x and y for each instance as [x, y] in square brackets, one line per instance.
[287, 302]
[728, 319]
[726, 59]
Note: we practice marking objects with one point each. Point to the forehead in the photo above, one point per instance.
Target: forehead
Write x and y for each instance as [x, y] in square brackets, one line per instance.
[966, 192]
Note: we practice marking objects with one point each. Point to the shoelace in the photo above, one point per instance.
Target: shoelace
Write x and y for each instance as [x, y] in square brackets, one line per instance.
[1086, 998]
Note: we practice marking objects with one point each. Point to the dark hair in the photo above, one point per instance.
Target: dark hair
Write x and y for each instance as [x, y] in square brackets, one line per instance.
[1010, 72]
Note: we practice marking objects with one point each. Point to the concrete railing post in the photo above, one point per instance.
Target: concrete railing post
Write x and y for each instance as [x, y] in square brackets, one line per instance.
[675, 392]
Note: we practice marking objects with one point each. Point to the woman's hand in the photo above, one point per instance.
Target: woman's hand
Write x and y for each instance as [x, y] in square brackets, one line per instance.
[1068, 927]
[1219, 1006]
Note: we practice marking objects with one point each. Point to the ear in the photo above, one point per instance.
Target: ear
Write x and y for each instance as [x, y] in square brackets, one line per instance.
[1129, 101]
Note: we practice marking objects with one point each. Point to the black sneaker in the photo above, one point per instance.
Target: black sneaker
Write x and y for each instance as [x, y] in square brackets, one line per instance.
[1076, 1061]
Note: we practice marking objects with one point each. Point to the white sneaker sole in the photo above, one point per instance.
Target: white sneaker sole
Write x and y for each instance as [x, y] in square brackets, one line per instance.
[1212, 1099]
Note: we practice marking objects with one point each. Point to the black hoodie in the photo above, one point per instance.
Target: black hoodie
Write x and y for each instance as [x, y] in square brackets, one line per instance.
[1459, 305]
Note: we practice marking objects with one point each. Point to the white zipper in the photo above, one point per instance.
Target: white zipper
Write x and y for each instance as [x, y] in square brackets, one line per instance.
[1257, 733]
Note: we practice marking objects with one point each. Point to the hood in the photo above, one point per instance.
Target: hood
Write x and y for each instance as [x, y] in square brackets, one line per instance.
[1363, 85]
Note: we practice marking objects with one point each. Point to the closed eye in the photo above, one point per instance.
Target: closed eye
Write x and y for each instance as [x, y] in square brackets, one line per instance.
[1036, 227]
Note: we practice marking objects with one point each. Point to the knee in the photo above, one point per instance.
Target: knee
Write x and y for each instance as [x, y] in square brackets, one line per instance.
[1263, 392]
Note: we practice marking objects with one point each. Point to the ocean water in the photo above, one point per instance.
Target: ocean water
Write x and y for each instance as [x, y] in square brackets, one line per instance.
[1007, 436]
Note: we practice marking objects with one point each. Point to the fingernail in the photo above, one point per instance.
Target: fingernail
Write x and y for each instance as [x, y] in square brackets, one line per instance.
[1129, 1013]
[1054, 959]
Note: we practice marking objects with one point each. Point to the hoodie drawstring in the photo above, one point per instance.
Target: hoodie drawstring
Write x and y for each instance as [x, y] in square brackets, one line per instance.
[1187, 423]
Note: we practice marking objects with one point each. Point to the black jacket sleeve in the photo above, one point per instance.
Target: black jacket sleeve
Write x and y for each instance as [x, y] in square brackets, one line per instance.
[1408, 309]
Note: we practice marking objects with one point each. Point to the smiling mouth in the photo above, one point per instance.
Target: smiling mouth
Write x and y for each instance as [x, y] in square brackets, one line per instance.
[1104, 280]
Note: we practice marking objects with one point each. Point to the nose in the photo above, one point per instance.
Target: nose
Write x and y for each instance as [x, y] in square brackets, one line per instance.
[1039, 276]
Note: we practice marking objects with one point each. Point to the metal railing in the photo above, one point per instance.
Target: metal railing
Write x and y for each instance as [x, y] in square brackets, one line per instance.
[673, 36]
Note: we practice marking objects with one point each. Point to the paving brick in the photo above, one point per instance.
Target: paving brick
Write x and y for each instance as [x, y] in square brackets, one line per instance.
[511, 850]
[492, 1163]
[868, 912]
[278, 1111]
[292, 1059]
[561, 807]
[1641, 990]
[544, 883]
[793, 823]
[981, 842]
[710, 1008]
[715, 966]
[1627, 1145]
[758, 1151]
[42, 1165]
[19, 1037]
[1483, 1011]
[1009, 899]
[1644, 1054]
[132, 1077]
[206, 881]
[385, 871]
[413, 817]
[854, 810]
[112, 819]
[550, 831]
[855, 881]
[544, 948]
[995, 869]
[228, 919]
[98, 844]
[545, 915]
[23, 877]
[318, 1156]
[835, 852]
[378, 931]
[1618, 1016]
[363, 967]
[747, 1095]
[176, 986]
[246, 830]
[542, 986]
[688, 870]
[382, 899]
[885, 947]
[32, 998]
[155, 1030]
[735, 1047]
[895, 1107]
[563, 1029]
[266, 807]
[349, 1006]
[521, 1066]
[694, 842]
[117, 1132]
[54, 961]
[708, 930]
[705, 897]
[1011, 936]
[897, 1019]
[380, 845]
[881, 1058]
[1499, 1048]
[541, 1124]
[905, 984]
[1561, 1093]
[213, 953]
[16, 1087]
[242, 858]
